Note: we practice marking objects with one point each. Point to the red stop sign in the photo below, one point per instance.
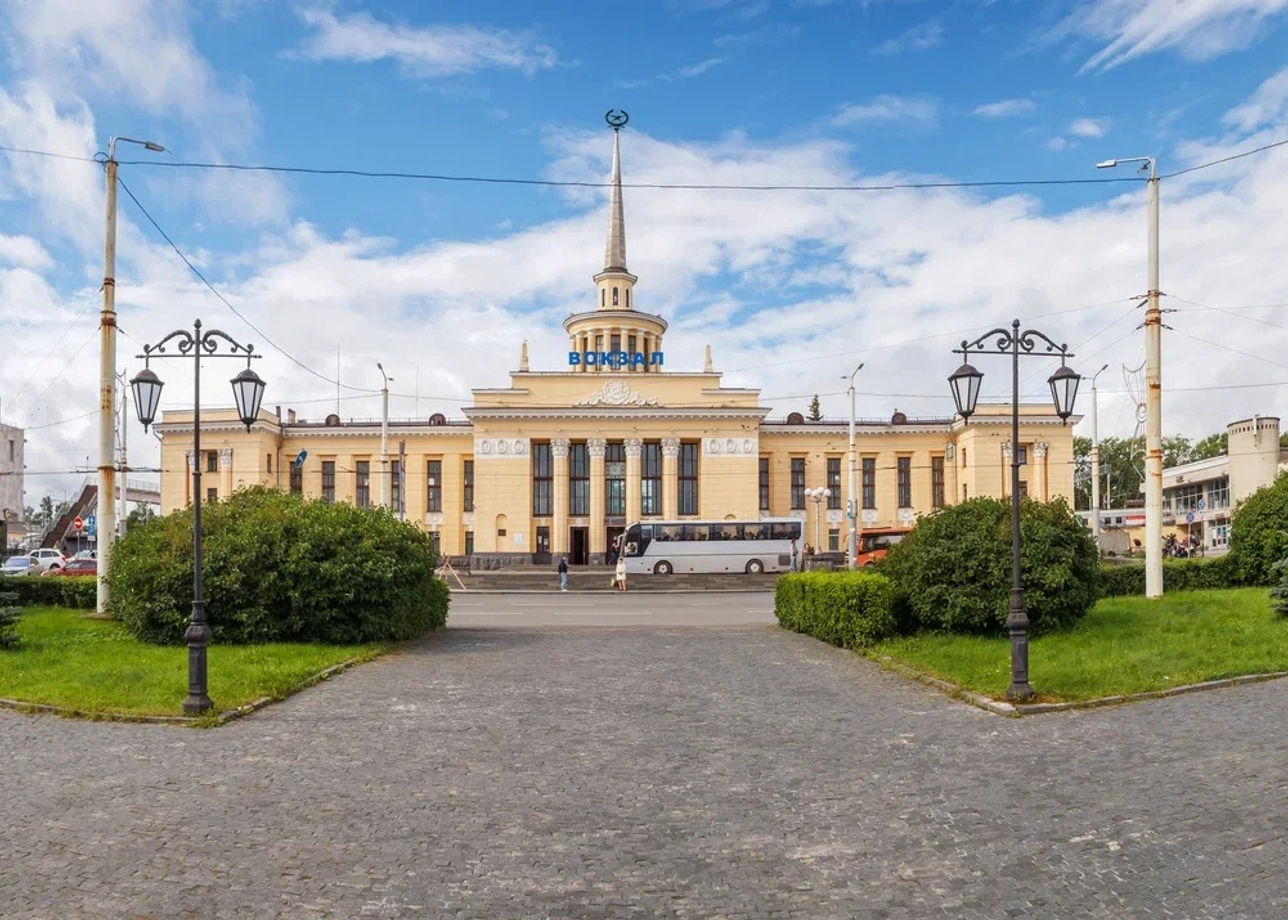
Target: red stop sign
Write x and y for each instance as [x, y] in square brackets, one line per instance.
[78, 524]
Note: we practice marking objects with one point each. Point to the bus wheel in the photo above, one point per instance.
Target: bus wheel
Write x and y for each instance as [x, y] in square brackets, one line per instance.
[755, 567]
[662, 568]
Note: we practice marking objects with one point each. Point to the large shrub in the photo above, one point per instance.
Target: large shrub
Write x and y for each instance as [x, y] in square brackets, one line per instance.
[953, 572]
[278, 567]
[9, 614]
[1259, 532]
[849, 609]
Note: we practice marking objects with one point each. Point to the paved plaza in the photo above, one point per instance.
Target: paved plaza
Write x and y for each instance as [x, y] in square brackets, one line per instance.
[576, 757]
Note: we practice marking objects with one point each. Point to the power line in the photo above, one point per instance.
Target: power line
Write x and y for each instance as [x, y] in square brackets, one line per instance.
[1234, 156]
[196, 271]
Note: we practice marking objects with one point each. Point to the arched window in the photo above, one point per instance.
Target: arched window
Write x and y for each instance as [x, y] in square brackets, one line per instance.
[628, 297]
[614, 296]
[603, 297]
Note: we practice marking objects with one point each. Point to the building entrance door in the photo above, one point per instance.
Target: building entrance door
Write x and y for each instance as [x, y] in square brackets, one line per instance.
[610, 556]
[542, 554]
[580, 543]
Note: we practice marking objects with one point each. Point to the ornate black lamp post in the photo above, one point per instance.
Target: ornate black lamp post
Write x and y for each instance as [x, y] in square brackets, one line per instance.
[248, 391]
[965, 383]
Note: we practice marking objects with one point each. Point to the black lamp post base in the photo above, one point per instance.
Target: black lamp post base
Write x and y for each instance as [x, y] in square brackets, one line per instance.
[1017, 624]
[196, 705]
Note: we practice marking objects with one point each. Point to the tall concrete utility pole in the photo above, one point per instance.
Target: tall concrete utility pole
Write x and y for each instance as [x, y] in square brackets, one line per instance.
[1095, 462]
[385, 496]
[124, 465]
[105, 512]
[852, 505]
[1153, 391]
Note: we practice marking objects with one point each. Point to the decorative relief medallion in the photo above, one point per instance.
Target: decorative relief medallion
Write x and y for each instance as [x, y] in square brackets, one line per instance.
[500, 447]
[907, 515]
[732, 447]
[869, 515]
[617, 393]
[433, 518]
[834, 515]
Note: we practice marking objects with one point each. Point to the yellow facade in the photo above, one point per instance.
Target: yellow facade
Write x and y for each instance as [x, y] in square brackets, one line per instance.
[562, 461]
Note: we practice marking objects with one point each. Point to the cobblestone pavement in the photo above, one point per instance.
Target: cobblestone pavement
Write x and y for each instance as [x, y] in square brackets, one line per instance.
[663, 771]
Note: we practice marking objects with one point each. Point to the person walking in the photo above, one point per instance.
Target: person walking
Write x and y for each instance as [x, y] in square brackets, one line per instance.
[621, 573]
[794, 566]
[563, 573]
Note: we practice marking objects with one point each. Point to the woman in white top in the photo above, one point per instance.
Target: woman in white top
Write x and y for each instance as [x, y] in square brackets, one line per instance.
[621, 573]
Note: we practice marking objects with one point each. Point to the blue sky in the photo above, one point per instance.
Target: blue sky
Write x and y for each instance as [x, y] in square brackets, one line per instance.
[440, 281]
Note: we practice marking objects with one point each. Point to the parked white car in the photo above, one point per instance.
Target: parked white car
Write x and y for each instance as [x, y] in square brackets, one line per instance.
[48, 559]
[19, 565]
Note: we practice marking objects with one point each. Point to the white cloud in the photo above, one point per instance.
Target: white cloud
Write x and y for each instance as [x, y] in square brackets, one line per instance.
[1198, 29]
[920, 37]
[429, 51]
[1268, 105]
[681, 73]
[1005, 108]
[1088, 127]
[910, 111]
[24, 252]
[1057, 144]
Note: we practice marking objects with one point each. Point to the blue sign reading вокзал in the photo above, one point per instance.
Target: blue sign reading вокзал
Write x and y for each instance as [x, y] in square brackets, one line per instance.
[614, 358]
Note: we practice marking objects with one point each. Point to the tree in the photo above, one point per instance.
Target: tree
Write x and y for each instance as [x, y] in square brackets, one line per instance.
[140, 515]
[1214, 445]
[815, 414]
[1177, 450]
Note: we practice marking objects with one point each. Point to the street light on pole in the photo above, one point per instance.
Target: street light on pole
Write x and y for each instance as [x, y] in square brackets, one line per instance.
[1153, 390]
[1095, 461]
[105, 513]
[965, 384]
[248, 392]
[384, 438]
[852, 502]
[817, 496]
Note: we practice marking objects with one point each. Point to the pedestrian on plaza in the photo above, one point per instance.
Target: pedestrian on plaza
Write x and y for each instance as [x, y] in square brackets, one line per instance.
[563, 573]
[795, 566]
[621, 573]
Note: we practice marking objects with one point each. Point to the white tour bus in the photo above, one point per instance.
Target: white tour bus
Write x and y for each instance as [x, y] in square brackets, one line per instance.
[663, 547]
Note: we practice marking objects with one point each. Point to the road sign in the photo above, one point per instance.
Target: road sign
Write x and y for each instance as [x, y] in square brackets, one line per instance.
[1189, 517]
[91, 525]
[78, 525]
[1201, 503]
[299, 458]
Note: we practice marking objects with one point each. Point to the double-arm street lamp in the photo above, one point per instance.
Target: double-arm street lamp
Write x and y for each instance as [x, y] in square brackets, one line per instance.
[965, 383]
[817, 496]
[248, 392]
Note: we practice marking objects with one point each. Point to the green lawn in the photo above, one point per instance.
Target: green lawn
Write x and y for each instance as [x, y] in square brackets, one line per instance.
[1124, 645]
[95, 667]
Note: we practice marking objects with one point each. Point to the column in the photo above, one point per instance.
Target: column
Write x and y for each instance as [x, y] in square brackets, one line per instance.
[633, 448]
[670, 478]
[1038, 487]
[1006, 469]
[187, 480]
[952, 492]
[225, 472]
[559, 538]
[598, 499]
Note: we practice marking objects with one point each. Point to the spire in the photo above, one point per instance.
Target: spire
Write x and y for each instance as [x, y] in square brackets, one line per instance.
[615, 251]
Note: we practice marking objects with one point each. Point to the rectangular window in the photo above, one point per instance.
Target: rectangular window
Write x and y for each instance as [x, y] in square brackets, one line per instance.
[869, 482]
[798, 483]
[1219, 493]
[469, 486]
[434, 485]
[11, 454]
[328, 480]
[362, 484]
[833, 541]
[936, 482]
[395, 484]
[963, 457]
[615, 478]
[542, 479]
[212, 461]
[212, 495]
[764, 483]
[270, 462]
[469, 543]
[688, 480]
[1024, 489]
[651, 478]
[297, 479]
[578, 479]
[1024, 454]
[834, 481]
[904, 467]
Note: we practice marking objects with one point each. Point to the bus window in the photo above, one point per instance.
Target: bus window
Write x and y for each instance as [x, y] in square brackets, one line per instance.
[754, 531]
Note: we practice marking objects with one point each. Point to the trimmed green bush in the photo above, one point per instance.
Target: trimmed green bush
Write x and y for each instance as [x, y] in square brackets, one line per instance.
[77, 591]
[1279, 593]
[849, 609]
[953, 572]
[9, 614]
[1259, 532]
[1178, 575]
[280, 568]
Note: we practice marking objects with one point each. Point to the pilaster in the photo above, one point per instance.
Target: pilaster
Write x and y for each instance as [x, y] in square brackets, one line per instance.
[634, 446]
[598, 499]
[559, 538]
[670, 478]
